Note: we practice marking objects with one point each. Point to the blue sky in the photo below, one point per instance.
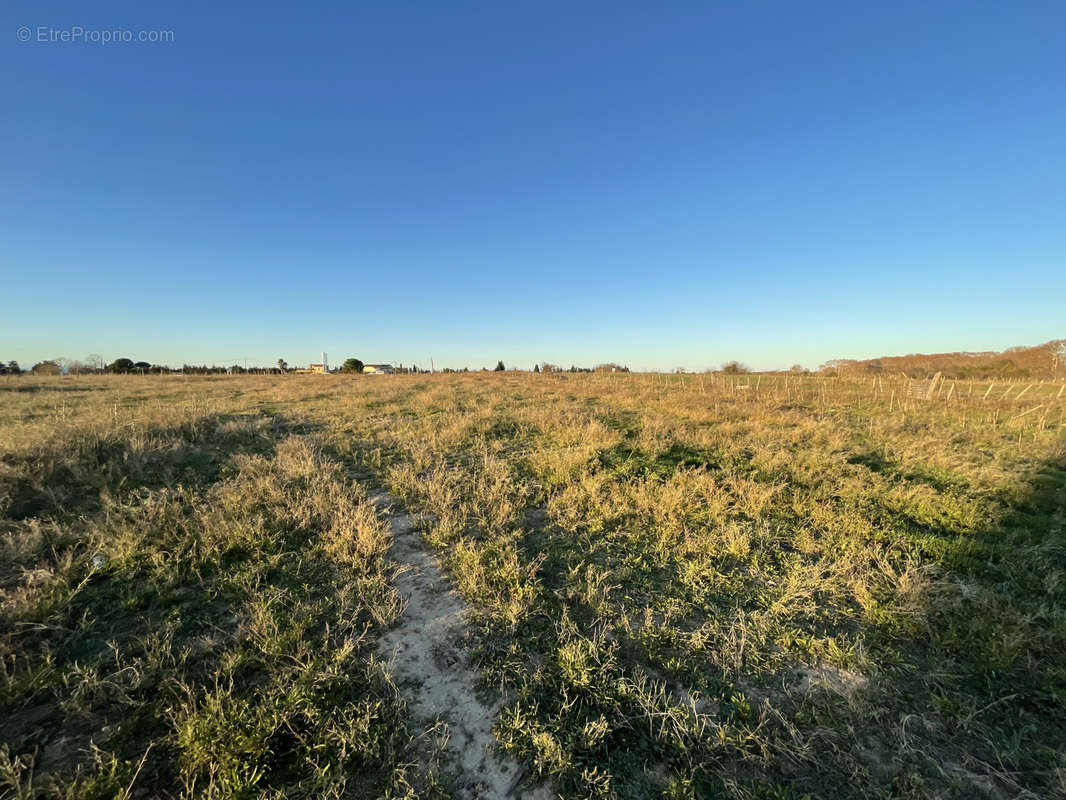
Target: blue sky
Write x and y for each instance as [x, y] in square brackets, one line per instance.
[657, 184]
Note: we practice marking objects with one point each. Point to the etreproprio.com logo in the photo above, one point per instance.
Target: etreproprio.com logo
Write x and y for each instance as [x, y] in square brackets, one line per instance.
[78, 34]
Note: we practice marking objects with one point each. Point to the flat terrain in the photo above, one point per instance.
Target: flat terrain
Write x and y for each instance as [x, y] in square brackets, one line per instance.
[630, 586]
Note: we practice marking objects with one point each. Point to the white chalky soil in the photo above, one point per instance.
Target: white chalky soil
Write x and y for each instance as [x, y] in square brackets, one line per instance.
[424, 652]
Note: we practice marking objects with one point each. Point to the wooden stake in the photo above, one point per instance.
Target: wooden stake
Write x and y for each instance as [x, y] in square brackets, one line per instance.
[1030, 411]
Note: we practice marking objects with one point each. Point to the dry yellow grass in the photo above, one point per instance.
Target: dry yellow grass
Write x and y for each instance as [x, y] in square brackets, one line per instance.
[680, 585]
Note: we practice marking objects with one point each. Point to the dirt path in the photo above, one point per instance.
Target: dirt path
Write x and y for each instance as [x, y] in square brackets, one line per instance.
[425, 652]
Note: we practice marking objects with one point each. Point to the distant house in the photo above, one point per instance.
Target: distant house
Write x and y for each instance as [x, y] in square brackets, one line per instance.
[378, 369]
[315, 369]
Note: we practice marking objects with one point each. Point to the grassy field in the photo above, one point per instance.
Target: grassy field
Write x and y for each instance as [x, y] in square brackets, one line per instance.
[676, 586]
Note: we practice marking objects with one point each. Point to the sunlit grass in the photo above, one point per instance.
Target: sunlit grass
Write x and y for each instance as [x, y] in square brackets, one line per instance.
[682, 585]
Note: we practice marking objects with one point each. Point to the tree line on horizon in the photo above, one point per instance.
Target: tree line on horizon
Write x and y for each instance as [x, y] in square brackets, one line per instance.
[126, 366]
[1047, 360]
[548, 368]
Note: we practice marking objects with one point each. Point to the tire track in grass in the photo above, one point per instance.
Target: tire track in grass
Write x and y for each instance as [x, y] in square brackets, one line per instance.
[425, 651]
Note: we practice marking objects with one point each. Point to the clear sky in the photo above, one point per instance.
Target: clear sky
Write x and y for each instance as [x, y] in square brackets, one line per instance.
[660, 184]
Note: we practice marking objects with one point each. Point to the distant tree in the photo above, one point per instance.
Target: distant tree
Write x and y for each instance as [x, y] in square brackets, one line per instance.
[121, 365]
[142, 367]
[500, 367]
[282, 365]
[352, 365]
[735, 368]
[536, 367]
[837, 366]
[46, 368]
[11, 368]
[797, 369]
[65, 364]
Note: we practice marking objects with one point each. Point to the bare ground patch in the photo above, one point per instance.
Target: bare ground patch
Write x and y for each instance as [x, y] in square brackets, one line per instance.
[427, 654]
